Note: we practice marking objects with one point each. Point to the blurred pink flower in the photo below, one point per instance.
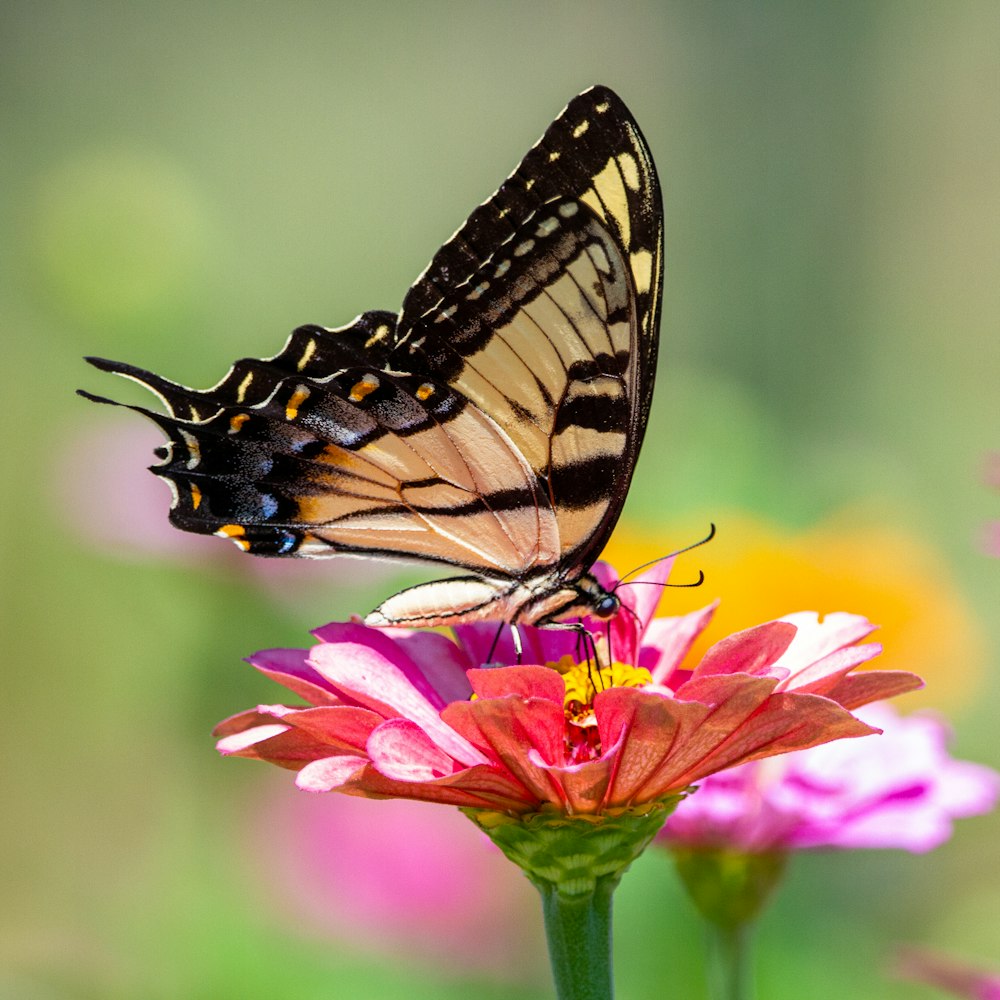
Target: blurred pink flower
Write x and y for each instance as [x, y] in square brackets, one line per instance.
[414, 884]
[900, 789]
[104, 492]
[957, 978]
[411, 715]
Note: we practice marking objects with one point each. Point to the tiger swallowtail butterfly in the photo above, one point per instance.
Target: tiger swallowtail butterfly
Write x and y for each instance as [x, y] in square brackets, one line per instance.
[493, 425]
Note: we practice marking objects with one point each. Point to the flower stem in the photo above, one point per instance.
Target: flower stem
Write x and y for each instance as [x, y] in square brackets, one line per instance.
[578, 930]
[575, 862]
[730, 970]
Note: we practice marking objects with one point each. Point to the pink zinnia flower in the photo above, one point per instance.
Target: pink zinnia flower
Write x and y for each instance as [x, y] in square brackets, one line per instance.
[900, 789]
[957, 978]
[414, 715]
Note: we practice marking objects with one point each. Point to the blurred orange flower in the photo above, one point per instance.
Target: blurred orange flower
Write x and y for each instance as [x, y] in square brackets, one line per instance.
[763, 571]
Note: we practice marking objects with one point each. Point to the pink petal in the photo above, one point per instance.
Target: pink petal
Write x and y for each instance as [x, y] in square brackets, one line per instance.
[644, 597]
[276, 743]
[479, 787]
[329, 773]
[584, 788]
[752, 651]
[339, 727]
[249, 738]
[289, 667]
[816, 639]
[440, 660]
[727, 704]
[668, 640]
[384, 686]
[401, 750]
[821, 676]
[365, 649]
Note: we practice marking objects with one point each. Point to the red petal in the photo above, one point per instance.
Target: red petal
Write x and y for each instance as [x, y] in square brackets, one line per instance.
[519, 682]
[749, 652]
[872, 685]
[506, 729]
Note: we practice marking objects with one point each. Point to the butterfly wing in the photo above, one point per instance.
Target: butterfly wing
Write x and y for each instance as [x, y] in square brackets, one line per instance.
[493, 426]
[543, 309]
[360, 461]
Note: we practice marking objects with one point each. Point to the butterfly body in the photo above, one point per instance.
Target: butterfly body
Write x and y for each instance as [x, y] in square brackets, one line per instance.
[493, 425]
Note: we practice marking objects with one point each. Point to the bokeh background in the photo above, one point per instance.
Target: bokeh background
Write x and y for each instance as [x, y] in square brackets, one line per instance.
[183, 184]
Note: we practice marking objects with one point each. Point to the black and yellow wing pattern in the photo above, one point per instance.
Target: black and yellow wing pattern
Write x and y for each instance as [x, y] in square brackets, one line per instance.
[493, 425]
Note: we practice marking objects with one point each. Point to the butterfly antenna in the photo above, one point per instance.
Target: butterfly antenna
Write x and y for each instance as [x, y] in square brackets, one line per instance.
[671, 555]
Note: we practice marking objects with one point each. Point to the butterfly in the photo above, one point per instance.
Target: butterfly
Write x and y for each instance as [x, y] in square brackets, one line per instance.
[493, 425]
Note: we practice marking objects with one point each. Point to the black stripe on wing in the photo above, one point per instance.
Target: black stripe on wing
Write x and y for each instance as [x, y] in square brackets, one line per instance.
[361, 461]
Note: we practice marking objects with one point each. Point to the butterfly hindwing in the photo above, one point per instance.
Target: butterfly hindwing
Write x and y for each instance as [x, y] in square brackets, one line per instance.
[493, 425]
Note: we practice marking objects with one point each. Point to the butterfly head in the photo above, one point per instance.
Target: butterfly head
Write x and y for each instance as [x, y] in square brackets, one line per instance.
[590, 598]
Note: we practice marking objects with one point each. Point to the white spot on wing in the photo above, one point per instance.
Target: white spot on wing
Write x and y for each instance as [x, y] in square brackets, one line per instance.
[546, 228]
[194, 449]
[599, 257]
[581, 128]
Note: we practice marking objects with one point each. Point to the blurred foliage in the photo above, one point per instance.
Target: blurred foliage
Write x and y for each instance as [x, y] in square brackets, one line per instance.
[182, 185]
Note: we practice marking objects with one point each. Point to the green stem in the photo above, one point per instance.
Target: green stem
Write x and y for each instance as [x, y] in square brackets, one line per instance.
[578, 930]
[575, 862]
[730, 971]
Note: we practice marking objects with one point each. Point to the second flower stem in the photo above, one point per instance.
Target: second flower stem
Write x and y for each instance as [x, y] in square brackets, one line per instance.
[730, 971]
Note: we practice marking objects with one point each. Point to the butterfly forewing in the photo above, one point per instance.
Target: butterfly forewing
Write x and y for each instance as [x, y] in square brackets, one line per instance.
[494, 425]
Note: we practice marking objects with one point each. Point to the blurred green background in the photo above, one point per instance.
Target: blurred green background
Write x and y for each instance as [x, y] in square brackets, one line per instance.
[182, 184]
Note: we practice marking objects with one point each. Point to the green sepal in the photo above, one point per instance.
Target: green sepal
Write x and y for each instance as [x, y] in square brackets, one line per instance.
[728, 887]
[571, 853]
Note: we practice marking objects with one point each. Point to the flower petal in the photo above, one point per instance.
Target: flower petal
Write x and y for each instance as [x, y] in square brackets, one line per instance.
[289, 667]
[329, 773]
[519, 682]
[668, 640]
[384, 685]
[872, 685]
[400, 749]
[752, 651]
[362, 649]
[508, 728]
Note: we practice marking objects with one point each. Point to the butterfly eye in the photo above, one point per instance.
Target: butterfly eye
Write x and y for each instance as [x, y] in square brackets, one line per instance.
[606, 607]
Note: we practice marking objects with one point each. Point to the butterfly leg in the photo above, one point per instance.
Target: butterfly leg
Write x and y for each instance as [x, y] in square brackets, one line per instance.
[515, 636]
[589, 645]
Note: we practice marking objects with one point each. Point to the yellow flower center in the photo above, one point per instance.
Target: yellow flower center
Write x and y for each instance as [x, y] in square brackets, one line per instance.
[585, 680]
